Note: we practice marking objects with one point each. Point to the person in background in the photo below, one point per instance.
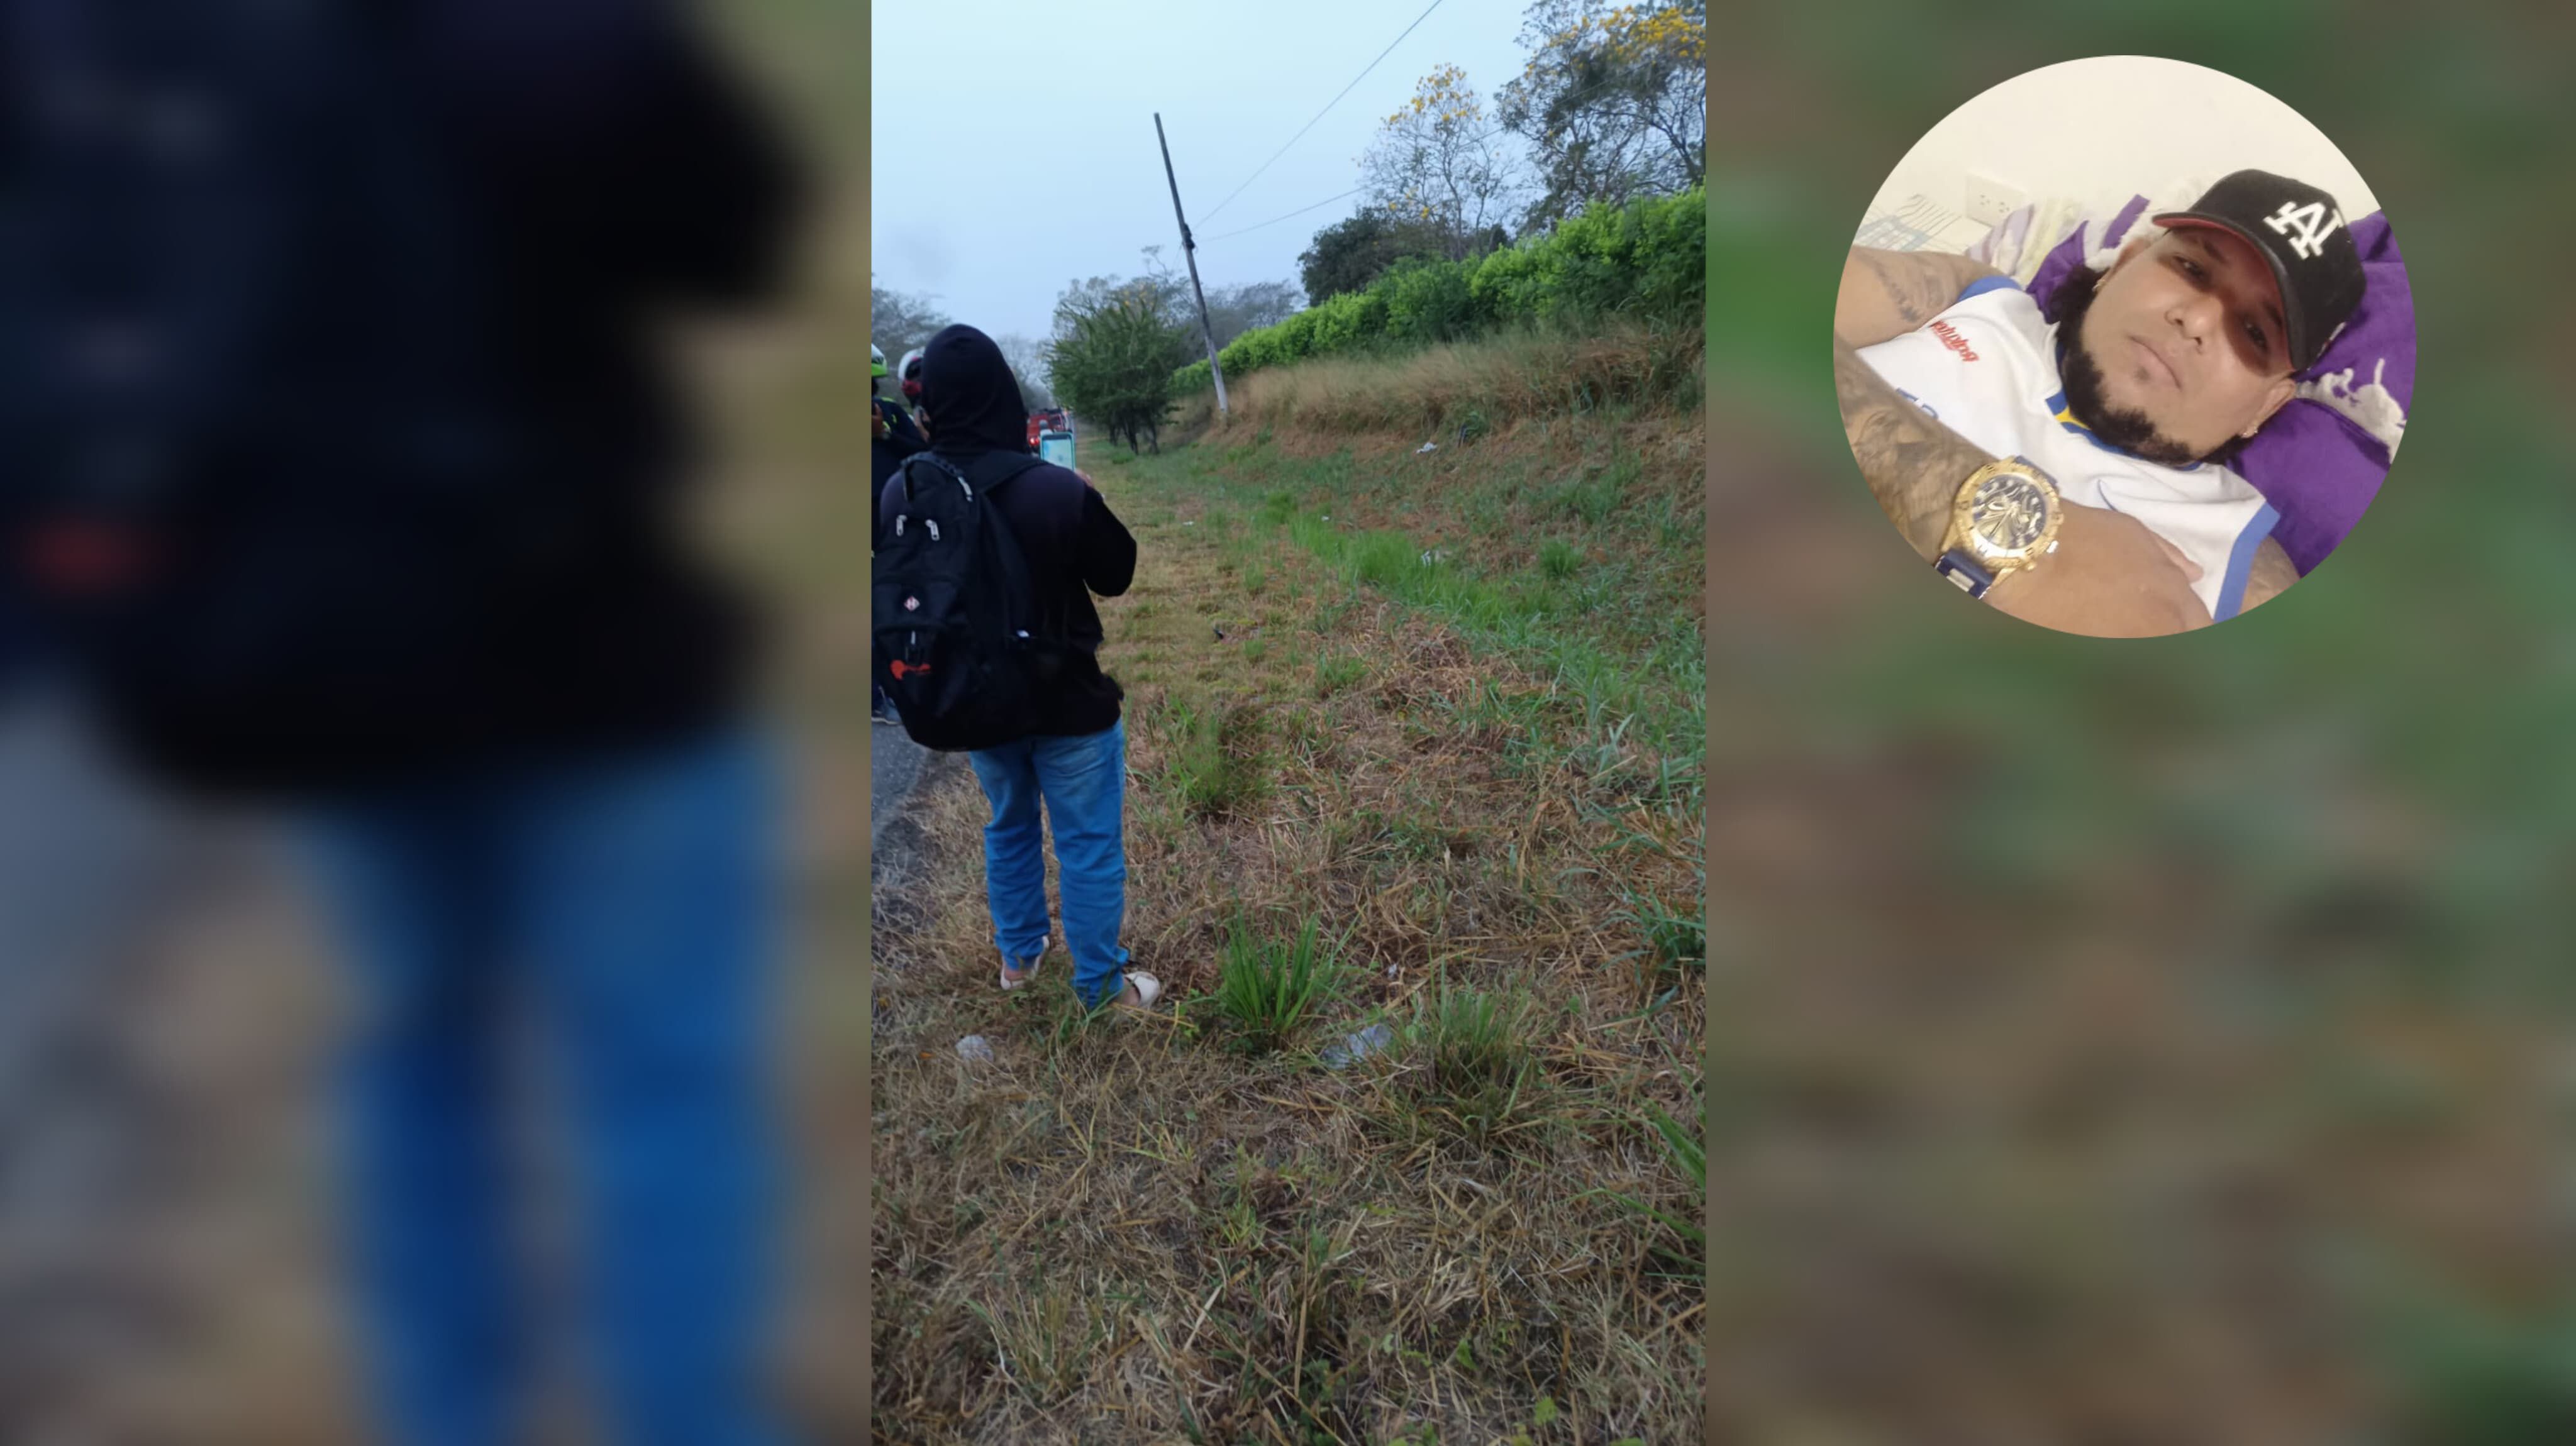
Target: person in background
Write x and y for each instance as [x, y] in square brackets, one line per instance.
[893, 436]
[908, 381]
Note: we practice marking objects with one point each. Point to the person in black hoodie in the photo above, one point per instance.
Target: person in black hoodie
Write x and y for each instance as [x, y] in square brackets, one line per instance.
[1073, 759]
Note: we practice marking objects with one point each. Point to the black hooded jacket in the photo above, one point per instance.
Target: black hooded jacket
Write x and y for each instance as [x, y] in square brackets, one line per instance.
[591, 166]
[1075, 546]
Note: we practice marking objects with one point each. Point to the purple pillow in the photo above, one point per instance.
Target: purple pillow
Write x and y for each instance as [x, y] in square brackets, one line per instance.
[2316, 461]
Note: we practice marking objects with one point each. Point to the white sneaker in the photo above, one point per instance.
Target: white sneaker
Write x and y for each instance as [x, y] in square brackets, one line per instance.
[1148, 989]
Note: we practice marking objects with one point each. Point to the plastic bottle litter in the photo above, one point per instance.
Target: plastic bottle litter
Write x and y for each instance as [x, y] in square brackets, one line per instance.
[1356, 1047]
[974, 1047]
[1426, 447]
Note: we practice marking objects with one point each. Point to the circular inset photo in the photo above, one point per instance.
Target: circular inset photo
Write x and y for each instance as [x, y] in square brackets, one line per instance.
[2124, 347]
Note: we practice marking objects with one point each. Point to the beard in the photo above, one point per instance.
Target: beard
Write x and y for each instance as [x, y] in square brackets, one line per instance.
[2127, 428]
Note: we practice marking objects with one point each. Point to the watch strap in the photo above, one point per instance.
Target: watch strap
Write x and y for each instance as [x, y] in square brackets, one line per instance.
[1964, 572]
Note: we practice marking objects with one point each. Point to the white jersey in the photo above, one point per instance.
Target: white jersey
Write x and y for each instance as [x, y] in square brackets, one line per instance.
[1987, 369]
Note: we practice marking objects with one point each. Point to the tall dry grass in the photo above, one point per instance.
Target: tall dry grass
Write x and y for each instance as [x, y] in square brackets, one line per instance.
[1479, 384]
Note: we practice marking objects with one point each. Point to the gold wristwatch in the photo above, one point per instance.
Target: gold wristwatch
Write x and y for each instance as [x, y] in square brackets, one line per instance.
[2005, 518]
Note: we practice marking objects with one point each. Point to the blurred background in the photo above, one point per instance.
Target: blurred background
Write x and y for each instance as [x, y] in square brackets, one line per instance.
[2109, 127]
[172, 1000]
[2154, 1041]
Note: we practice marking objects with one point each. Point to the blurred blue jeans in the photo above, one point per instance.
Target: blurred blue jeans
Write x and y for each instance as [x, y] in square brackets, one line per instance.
[1082, 782]
[627, 901]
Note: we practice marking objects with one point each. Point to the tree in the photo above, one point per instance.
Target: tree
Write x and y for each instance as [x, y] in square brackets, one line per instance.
[1169, 289]
[1614, 102]
[899, 321]
[1159, 288]
[1028, 361]
[1234, 310]
[1114, 353]
[1436, 164]
[1351, 253]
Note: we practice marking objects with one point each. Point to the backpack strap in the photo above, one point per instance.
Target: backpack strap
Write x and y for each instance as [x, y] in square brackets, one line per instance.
[1050, 619]
[1015, 468]
[990, 485]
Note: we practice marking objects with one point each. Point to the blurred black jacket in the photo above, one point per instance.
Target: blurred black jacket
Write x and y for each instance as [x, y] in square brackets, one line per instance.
[421, 510]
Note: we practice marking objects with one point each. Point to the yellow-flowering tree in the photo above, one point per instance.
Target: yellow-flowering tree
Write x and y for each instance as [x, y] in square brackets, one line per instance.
[1613, 102]
[1441, 163]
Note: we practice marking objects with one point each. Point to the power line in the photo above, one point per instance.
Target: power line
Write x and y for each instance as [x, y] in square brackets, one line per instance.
[1328, 106]
[1355, 190]
[1275, 220]
[1596, 88]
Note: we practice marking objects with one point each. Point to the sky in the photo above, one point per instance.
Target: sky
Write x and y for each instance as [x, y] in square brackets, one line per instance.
[1012, 144]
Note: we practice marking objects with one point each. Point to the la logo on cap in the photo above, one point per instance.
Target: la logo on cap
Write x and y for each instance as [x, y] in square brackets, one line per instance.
[2307, 226]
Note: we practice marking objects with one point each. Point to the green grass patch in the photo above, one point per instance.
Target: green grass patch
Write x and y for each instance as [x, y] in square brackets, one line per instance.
[1337, 671]
[1480, 1070]
[1218, 767]
[1688, 1154]
[1269, 989]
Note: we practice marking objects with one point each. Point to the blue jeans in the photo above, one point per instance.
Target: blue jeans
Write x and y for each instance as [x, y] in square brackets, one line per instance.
[1082, 783]
[629, 901]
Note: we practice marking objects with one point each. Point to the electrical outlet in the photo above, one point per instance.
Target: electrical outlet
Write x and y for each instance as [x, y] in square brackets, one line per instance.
[1991, 198]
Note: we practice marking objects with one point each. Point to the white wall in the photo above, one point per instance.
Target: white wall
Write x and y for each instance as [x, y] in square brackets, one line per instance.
[2111, 127]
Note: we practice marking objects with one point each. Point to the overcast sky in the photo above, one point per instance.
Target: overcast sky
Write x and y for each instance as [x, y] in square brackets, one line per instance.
[1013, 142]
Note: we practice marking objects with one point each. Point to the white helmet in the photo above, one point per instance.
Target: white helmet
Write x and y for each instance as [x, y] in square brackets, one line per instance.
[908, 371]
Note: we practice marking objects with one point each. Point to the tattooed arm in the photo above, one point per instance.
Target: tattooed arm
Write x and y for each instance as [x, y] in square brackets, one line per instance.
[2271, 574]
[1889, 293]
[2109, 577]
[1914, 464]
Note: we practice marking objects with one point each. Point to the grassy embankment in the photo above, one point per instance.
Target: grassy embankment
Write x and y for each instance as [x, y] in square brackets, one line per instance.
[1414, 739]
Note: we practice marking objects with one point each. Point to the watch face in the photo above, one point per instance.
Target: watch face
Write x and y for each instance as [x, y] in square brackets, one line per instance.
[2007, 514]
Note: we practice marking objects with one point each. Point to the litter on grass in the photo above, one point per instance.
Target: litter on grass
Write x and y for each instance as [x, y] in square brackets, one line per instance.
[1355, 1047]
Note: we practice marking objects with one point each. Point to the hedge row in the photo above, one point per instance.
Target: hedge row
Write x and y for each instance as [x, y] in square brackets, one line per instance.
[1647, 258]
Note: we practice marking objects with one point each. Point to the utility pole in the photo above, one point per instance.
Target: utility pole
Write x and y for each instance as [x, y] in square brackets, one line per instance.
[1189, 253]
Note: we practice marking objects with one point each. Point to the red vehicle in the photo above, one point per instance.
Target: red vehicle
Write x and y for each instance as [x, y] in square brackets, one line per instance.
[1053, 420]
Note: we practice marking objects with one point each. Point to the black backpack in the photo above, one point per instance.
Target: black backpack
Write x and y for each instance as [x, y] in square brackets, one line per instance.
[961, 645]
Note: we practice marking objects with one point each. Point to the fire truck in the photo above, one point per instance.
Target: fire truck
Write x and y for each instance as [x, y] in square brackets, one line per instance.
[1051, 435]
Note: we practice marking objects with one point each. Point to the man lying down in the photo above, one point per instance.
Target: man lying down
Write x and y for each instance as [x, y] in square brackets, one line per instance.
[2072, 468]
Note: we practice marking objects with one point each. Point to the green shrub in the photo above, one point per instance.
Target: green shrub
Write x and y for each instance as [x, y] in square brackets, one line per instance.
[1118, 362]
[1428, 301]
[1647, 259]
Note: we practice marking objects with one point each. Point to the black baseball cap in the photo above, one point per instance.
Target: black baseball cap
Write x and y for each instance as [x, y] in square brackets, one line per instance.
[2300, 233]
